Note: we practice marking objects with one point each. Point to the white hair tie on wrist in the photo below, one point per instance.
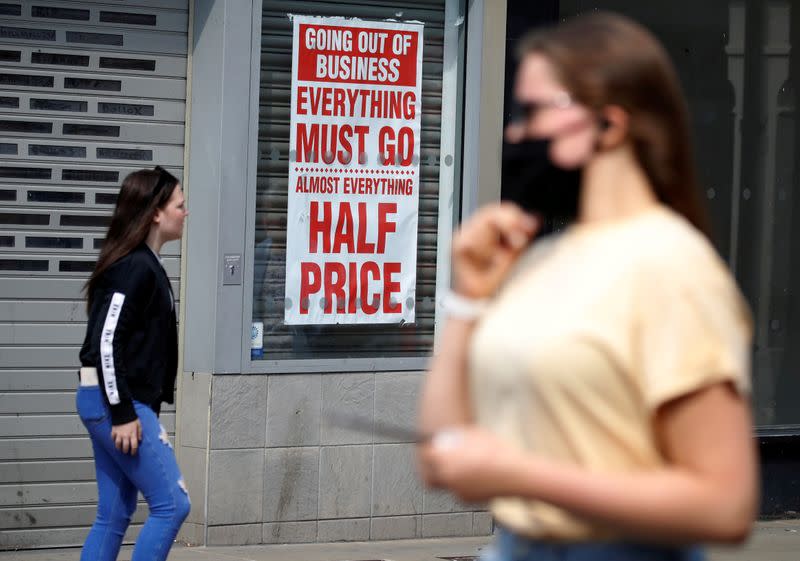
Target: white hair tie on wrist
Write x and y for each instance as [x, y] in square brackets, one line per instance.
[461, 307]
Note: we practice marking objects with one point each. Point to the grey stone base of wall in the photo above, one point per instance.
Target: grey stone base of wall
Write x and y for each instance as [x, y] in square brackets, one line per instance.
[263, 466]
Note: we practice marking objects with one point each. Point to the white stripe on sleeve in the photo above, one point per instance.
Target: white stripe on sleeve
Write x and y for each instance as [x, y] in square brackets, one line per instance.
[107, 347]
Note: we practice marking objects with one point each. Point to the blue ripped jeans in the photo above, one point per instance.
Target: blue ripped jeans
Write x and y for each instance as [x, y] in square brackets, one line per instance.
[153, 471]
[508, 546]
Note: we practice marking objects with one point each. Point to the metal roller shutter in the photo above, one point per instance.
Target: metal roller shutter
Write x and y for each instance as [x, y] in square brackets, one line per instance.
[371, 341]
[89, 91]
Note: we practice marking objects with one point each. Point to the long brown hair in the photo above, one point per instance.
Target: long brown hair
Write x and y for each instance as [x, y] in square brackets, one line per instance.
[607, 59]
[143, 192]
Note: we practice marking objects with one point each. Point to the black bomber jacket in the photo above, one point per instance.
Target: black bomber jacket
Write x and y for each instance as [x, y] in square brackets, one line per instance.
[132, 335]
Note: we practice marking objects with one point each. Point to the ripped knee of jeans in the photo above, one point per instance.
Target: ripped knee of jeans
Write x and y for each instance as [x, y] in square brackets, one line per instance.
[163, 436]
[186, 507]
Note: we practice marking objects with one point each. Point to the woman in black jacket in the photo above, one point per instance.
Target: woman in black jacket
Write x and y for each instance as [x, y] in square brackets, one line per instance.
[129, 360]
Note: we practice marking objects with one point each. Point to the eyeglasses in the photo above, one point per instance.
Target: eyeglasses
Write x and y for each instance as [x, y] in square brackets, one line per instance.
[527, 110]
[163, 179]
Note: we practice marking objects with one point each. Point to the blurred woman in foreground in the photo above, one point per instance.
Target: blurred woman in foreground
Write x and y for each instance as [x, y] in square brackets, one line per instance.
[594, 386]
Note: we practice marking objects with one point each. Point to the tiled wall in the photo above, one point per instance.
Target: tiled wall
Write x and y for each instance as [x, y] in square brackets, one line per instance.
[263, 465]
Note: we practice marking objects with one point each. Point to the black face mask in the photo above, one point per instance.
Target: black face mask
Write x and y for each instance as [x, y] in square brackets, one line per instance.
[532, 181]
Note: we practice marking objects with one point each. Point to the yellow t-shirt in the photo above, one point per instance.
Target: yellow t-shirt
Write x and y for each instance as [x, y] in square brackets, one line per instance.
[597, 328]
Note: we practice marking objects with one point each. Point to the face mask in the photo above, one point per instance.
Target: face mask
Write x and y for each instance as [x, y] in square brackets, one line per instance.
[532, 181]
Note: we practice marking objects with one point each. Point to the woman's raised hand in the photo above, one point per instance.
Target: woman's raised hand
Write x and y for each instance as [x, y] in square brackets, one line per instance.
[487, 245]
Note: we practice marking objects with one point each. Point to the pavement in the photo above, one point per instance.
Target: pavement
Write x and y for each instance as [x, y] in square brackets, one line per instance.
[777, 540]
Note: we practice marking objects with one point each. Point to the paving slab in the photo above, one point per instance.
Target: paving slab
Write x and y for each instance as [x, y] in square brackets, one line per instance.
[771, 541]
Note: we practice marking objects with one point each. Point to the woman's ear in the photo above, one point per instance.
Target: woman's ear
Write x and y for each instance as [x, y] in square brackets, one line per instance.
[614, 121]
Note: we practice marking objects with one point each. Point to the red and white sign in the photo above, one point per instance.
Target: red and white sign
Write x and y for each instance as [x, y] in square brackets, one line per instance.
[353, 194]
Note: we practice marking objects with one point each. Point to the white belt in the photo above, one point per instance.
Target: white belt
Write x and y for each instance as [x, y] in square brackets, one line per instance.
[89, 376]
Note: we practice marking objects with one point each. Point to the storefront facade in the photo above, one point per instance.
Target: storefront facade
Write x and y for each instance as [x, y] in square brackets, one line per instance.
[209, 89]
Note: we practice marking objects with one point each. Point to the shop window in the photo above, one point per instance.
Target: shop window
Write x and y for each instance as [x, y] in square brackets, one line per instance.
[271, 308]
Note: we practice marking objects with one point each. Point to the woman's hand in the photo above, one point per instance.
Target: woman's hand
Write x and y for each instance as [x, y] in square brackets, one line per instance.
[469, 462]
[127, 437]
[487, 245]
[705, 491]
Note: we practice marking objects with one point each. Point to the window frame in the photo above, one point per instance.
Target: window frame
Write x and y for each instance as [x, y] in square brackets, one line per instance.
[448, 211]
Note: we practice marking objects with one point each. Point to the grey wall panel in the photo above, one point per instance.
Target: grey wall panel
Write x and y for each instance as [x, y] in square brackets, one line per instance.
[91, 91]
[206, 165]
